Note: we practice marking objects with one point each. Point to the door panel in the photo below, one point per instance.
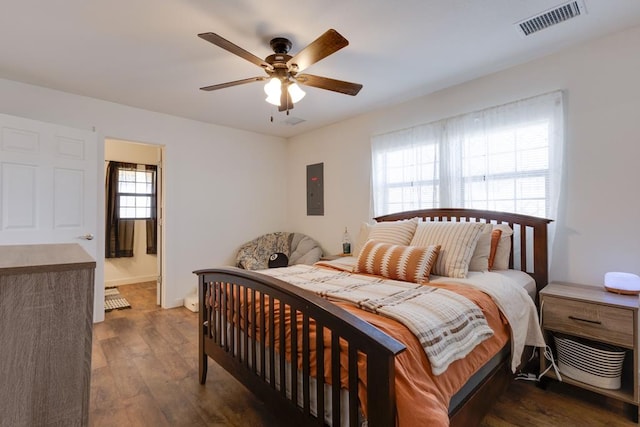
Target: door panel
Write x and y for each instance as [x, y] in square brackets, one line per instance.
[49, 181]
[18, 197]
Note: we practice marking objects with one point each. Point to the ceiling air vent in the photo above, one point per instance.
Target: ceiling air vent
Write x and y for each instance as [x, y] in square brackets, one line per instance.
[292, 121]
[551, 17]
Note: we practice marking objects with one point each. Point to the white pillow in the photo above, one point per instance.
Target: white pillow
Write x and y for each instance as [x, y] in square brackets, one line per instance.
[394, 232]
[457, 242]
[363, 236]
[480, 259]
[501, 260]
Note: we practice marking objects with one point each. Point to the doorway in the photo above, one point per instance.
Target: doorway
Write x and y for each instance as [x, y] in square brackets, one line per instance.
[141, 264]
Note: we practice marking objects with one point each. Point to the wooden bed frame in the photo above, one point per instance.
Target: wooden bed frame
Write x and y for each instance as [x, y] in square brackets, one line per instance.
[223, 318]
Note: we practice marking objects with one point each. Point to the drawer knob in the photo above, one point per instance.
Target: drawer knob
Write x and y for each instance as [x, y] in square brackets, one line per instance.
[597, 322]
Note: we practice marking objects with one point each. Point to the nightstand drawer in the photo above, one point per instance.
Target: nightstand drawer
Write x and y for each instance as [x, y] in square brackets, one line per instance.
[596, 321]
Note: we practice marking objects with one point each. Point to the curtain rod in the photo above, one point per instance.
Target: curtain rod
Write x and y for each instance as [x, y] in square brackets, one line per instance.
[133, 163]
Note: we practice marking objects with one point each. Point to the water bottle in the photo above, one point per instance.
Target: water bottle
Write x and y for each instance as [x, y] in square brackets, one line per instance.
[346, 243]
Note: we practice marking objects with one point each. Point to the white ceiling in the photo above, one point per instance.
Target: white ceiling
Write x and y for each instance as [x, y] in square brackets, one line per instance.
[146, 53]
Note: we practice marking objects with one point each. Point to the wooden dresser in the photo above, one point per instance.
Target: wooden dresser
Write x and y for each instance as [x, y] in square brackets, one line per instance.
[46, 323]
[595, 314]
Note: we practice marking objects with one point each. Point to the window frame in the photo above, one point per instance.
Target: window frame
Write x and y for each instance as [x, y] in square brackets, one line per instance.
[148, 196]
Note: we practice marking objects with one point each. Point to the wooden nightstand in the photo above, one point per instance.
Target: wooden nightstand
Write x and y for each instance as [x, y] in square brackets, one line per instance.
[595, 314]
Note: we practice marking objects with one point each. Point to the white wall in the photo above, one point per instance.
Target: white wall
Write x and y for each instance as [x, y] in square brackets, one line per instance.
[219, 181]
[597, 227]
[141, 267]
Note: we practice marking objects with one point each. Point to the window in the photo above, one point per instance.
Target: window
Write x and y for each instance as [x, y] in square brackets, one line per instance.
[130, 196]
[412, 178]
[505, 158]
[136, 193]
[507, 170]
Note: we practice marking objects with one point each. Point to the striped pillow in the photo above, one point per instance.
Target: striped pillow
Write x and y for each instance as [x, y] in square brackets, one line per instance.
[394, 232]
[398, 262]
[457, 242]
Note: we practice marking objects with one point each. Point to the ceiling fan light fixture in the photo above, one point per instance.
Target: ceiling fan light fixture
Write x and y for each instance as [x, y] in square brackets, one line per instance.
[273, 89]
[295, 92]
[283, 69]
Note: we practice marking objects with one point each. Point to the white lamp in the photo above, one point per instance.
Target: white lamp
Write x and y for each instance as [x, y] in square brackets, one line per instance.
[296, 93]
[273, 89]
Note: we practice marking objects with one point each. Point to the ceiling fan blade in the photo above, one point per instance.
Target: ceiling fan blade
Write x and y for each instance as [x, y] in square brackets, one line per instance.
[236, 50]
[331, 41]
[234, 83]
[329, 84]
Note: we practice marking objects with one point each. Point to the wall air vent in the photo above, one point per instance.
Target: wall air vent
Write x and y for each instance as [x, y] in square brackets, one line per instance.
[551, 17]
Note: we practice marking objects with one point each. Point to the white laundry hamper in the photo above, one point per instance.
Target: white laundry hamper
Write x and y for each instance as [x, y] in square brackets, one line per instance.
[590, 362]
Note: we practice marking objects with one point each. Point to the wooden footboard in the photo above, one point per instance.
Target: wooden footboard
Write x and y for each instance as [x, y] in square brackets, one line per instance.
[240, 329]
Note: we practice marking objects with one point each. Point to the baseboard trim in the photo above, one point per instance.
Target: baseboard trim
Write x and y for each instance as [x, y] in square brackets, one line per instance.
[174, 304]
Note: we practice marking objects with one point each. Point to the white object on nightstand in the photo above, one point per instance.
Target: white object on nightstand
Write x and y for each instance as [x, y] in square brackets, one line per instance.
[622, 283]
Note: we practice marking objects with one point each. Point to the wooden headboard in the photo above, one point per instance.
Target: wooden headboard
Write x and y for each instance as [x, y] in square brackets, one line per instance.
[529, 240]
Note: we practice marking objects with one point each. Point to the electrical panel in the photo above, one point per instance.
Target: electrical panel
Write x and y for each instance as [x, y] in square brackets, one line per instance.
[315, 189]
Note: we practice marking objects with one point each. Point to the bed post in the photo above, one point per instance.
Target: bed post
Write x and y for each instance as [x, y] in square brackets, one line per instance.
[202, 310]
[540, 256]
[381, 389]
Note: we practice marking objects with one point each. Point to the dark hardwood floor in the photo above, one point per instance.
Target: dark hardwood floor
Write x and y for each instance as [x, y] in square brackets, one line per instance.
[145, 373]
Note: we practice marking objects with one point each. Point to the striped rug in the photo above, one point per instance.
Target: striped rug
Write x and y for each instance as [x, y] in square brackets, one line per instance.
[113, 300]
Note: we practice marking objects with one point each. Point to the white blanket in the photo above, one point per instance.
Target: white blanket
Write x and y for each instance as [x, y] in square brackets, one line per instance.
[516, 306]
[447, 325]
[512, 300]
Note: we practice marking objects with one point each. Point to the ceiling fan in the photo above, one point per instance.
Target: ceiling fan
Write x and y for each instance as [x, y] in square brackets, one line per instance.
[283, 69]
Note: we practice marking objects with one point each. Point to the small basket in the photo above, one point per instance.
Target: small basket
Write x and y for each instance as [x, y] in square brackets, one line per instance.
[590, 362]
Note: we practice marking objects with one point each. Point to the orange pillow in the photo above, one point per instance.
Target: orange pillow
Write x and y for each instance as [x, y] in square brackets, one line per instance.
[397, 262]
[495, 238]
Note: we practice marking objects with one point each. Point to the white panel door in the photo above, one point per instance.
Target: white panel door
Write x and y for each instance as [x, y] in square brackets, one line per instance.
[48, 182]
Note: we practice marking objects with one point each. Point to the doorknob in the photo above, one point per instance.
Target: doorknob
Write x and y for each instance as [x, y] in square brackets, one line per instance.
[87, 236]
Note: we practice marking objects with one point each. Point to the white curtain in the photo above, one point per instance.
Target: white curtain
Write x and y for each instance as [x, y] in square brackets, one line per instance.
[505, 158]
[518, 139]
[407, 156]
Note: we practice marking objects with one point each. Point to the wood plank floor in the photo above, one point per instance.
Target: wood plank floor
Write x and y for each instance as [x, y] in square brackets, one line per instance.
[145, 373]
